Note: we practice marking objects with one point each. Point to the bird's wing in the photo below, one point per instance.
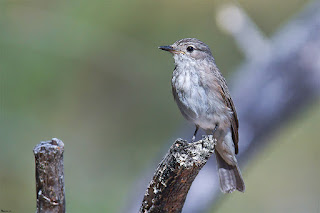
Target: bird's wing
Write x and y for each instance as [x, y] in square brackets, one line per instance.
[233, 119]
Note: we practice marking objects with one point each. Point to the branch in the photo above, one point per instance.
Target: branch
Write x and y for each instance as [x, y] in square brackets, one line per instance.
[49, 176]
[171, 182]
[234, 20]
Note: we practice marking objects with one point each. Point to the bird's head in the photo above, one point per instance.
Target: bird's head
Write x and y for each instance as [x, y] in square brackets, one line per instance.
[188, 48]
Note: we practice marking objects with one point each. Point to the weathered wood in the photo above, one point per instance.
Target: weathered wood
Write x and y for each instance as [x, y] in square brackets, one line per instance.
[50, 176]
[171, 182]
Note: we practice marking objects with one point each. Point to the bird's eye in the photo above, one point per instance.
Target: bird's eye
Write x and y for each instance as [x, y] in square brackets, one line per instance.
[190, 49]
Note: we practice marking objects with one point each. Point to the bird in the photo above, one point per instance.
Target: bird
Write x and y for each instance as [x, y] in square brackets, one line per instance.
[202, 95]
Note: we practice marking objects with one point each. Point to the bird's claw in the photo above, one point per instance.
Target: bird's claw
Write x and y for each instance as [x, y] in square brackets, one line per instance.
[208, 137]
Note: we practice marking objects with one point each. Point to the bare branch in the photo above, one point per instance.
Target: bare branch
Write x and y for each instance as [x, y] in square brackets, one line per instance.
[171, 182]
[249, 38]
[49, 176]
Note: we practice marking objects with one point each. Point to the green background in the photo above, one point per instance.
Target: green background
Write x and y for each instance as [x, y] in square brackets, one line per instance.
[90, 74]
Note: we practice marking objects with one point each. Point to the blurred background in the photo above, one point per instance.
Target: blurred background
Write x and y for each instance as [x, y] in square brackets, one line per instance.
[90, 74]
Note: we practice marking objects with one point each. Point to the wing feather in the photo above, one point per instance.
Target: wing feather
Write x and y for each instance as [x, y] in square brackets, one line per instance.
[234, 119]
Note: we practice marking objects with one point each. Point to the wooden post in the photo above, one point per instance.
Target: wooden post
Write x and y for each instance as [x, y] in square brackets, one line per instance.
[50, 176]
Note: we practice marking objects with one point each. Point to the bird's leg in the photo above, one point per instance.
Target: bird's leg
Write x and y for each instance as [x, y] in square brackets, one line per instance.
[210, 133]
[195, 133]
[215, 128]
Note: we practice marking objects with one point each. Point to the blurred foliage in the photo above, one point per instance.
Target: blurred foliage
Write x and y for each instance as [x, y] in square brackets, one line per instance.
[90, 73]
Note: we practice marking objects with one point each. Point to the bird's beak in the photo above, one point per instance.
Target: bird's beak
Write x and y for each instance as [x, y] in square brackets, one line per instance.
[166, 48]
[170, 49]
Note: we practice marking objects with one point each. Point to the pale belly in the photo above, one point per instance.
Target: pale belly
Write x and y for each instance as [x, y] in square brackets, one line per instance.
[198, 104]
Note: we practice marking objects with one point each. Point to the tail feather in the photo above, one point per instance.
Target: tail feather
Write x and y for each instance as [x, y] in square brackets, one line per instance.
[230, 176]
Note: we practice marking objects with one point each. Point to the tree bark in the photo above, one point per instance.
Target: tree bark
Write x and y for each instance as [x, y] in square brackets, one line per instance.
[50, 176]
[171, 182]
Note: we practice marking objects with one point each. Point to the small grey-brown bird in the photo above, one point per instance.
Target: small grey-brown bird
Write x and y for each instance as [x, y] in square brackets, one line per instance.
[203, 98]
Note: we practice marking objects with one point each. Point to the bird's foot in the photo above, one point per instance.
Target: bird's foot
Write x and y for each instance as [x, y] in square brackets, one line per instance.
[208, 137]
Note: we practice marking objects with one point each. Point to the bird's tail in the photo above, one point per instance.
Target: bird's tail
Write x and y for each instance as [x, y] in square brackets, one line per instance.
[230, 176]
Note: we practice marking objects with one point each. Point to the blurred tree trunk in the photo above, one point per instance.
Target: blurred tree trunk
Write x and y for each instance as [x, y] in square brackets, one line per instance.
[268, 91]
